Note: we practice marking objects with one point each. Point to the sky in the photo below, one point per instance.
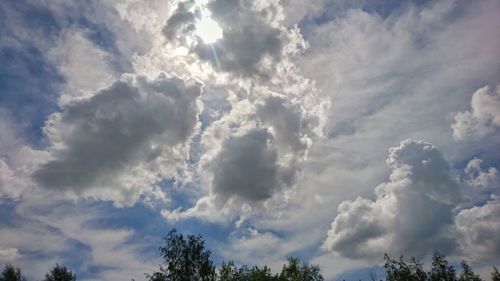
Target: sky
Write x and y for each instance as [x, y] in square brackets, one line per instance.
[330, 130]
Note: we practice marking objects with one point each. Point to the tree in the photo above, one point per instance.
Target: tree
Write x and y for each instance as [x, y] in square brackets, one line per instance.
[467, 274]
[229, 272]
[441, 270]
[399, 270]
[60, 273]
[185, 259]
[11, 273]
[296, 270]
[495, 275]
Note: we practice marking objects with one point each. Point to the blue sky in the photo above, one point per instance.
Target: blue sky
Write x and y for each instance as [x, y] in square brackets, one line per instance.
[331, 130]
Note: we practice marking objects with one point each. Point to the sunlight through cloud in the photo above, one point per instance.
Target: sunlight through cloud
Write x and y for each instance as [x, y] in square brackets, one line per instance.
[208, 30]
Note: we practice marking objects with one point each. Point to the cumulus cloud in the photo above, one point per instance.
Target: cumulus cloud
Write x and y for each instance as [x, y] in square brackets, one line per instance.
[482, 119]
[252, 155]
[479, 178]
[478, 229]
[251, 150]
[478, 226]
[247, 168]
[261, 155]
[411, 214]
[117, 143]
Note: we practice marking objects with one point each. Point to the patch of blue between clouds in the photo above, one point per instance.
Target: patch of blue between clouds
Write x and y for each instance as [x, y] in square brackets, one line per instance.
[7, 212]
[150, 227]
[29, 83]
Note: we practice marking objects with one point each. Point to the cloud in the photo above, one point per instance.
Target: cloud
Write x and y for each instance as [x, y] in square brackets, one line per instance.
[8, 254]
[251, 158]
[246, 168]
[82, 236]
[258, 161]
[249, 37]
[480, 179]
[482, 119]
[85, 67]
[411, 214]
[478, 229]
[254, 40]
[17, 159]
[117, 143]
[478, 225]
[251, 151]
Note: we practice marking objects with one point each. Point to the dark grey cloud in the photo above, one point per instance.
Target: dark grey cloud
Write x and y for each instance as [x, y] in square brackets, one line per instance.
[411, 214]
[247, 167]
[253, 163]
[131, 125]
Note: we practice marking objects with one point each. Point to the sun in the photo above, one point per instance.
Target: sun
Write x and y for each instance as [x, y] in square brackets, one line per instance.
[207, 29]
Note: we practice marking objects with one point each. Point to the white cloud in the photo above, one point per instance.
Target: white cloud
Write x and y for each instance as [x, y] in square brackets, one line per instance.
[84, 66]
[482, 119]
[17, 160]
[411, 214]
[480, 179]
[8, 254]
[69, 233]
[478, 228]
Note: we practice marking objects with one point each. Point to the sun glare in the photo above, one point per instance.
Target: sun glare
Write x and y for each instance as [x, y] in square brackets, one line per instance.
[208, 30]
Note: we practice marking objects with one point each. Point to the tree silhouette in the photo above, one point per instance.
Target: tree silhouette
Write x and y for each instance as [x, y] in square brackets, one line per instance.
[441, 270]
[399, 270]
[229, 272]
[495, 275]
[296, 270]
[185, 259]
[11, 273]
[467, 274]
[60, 273]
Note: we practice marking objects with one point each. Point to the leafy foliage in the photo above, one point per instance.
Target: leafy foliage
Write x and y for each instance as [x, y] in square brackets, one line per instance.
[400, 270]
[467, 274]
[11, 273]
[60, 273]
[229, 272]
[185, 259]
[495, 275]
[296, 270]
[441, 270]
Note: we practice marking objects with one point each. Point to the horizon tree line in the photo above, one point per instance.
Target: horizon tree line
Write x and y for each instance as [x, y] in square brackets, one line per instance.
[185, 258]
